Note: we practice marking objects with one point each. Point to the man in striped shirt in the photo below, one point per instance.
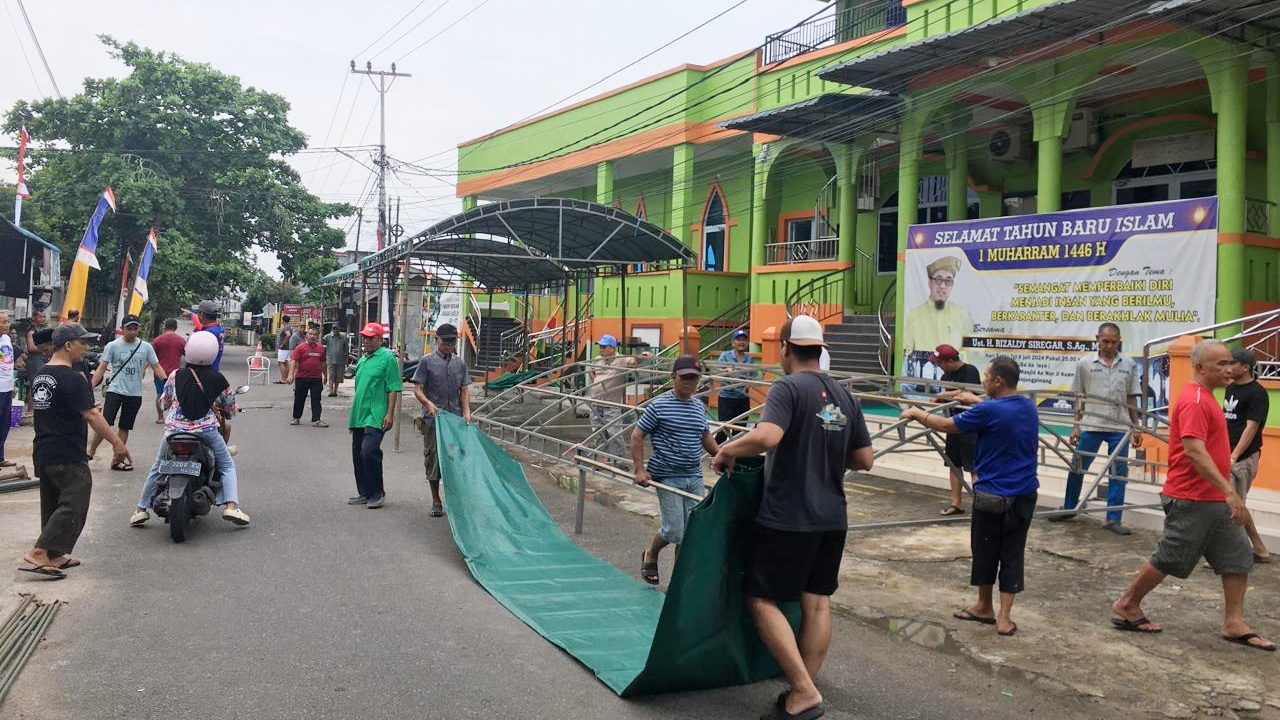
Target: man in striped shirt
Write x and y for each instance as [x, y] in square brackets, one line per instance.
[676, 424]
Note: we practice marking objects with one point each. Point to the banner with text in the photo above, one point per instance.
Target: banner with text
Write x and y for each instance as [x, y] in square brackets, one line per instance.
[1036, 287]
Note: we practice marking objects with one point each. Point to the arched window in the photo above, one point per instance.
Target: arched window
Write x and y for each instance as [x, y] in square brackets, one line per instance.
[715, 231]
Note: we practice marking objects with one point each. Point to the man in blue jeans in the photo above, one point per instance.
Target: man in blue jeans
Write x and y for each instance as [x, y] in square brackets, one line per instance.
[1112, 383]
[373, 413]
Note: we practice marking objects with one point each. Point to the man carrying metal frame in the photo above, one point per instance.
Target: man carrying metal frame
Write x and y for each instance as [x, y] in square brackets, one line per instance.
[609, 385]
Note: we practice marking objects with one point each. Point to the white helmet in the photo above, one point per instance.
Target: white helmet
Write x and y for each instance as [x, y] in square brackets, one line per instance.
[202, 348]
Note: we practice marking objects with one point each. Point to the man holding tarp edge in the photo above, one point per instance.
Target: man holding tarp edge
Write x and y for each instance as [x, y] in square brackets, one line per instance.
[812, 431]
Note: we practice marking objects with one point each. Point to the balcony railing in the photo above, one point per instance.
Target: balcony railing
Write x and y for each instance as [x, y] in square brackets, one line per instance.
[857, 21]
[802, 251]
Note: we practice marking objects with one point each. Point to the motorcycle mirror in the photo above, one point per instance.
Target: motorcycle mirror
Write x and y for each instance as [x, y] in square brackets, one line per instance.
[242, 389]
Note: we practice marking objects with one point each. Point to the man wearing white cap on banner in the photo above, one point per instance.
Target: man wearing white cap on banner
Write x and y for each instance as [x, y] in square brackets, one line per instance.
[609, 383]
[812, 431]
[936, 321]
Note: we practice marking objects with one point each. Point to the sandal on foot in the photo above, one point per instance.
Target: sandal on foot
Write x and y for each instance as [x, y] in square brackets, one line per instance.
[780, 713]
[966, 615]
[122, 466]
[1245, 638]
[648, 570]
[43, 572]
[1134, 625]
[1008, 633]
[66, 562]
[437, 510]
[10, 463]
[951, 510]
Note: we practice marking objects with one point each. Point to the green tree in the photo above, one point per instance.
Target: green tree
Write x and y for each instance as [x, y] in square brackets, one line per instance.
[188, 151]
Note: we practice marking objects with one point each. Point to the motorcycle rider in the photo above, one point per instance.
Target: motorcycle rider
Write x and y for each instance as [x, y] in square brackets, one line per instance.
[199, 400]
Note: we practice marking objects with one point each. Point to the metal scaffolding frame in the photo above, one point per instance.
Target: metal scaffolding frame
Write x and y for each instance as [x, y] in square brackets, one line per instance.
[548, 399]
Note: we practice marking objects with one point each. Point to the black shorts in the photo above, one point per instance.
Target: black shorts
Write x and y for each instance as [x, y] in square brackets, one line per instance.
[960, 450]
[126, 405]
[782, 564]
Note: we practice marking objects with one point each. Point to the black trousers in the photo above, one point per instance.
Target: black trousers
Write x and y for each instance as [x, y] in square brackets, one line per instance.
[301, 388]
[64, 506]
[728, 408]
[999, 542]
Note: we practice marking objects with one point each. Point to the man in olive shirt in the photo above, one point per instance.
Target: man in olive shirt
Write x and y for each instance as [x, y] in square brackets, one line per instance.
[373, 412]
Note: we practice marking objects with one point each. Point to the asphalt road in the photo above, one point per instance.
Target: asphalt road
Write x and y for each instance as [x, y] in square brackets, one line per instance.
[324, 610]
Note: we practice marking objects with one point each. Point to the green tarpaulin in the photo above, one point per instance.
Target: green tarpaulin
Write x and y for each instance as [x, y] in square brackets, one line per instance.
[635, 639]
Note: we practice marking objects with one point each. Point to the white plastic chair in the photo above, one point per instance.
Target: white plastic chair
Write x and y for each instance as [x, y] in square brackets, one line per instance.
[259, 366]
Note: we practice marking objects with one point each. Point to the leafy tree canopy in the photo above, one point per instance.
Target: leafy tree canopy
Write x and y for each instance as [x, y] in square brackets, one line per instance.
[188, 151]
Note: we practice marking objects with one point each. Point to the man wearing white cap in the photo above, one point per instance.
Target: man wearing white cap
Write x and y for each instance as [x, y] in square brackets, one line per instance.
[936, 321]
[609, 385]
[812, 431]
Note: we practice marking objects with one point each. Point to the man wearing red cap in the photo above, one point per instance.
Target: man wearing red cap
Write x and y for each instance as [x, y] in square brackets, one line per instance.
[959, 448]
[373, 412]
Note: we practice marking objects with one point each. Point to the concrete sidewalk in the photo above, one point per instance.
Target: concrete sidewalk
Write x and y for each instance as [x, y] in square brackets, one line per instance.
[908, 581]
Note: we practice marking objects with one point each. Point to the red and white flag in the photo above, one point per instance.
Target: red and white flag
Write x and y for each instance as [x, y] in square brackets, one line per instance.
[22, 153]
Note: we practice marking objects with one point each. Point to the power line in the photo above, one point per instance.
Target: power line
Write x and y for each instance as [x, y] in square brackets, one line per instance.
[388, 30]
[415, 27]
[17, 36]
[39, 49]
[418, 47]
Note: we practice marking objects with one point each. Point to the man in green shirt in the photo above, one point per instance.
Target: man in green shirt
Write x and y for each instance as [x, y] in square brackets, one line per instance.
[373, 412]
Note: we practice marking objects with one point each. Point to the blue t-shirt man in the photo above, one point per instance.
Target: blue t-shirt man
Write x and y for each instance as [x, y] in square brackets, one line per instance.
[216, 330]
[1008, 431]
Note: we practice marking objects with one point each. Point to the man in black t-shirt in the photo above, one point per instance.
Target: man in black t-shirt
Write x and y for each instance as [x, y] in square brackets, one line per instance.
[959, 448]
[64, 410]
[1246, 404]
[812, 431]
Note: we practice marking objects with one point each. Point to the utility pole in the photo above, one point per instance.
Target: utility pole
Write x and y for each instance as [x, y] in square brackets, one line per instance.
[384, 309]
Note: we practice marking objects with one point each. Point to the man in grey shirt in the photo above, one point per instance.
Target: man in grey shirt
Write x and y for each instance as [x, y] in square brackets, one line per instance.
[336, 348]
[440, 383]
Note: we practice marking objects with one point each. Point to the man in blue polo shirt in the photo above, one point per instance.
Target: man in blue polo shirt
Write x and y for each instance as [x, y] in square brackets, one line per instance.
[207, 313]
[1004, 495]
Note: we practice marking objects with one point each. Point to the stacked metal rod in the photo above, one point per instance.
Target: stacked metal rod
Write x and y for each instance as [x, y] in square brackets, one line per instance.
[21, 632]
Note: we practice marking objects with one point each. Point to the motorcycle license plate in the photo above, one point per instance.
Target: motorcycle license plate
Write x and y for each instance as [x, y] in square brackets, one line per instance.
[179, 467]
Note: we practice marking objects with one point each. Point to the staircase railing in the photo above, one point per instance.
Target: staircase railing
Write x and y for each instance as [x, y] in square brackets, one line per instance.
[725, 324]
[886, 336]
[1259, 332]
[821, 298]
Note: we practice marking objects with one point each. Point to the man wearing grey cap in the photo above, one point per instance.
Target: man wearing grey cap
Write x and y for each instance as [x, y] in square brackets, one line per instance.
[936, 321]
[127, 357]
[207, 313]
[609, 386]
[1245, 406]
[64, 410]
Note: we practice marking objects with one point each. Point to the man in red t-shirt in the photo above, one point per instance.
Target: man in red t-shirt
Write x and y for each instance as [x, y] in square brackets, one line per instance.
[1203, 514]
[309, 375]
[169, 347]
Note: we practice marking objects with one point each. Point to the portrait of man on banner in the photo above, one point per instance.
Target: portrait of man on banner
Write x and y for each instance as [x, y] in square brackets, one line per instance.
[936, 321]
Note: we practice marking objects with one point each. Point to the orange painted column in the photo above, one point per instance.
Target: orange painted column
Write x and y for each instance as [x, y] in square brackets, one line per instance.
[690, 340]
[1180, 373]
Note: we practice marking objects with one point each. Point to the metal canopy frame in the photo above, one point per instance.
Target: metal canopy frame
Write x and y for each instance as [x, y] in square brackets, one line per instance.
[828, 118]
[543, 415]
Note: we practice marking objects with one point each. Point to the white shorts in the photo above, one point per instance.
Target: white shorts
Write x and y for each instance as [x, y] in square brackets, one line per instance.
[282, 356]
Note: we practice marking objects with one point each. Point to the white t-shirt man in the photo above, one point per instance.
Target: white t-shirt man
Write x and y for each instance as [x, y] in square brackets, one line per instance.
[7, 359]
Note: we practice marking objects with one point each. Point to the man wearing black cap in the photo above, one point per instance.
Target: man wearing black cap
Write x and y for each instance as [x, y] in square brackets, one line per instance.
[1246, 405]
[207, 313]
[64, 408]
[959, 447]
[127, 357]
[733, 400]
[440, 383]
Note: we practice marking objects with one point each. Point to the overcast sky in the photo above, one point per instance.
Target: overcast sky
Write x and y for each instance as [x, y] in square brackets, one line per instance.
[503, 62]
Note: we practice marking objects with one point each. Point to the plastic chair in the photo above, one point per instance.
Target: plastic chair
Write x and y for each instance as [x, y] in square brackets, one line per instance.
[259, 366]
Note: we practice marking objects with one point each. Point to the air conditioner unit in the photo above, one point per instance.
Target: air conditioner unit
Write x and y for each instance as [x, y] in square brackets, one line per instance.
[1083, 133]
[1007, 144]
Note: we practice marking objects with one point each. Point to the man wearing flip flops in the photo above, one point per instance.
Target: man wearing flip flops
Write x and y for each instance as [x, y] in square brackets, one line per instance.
[1203, 514]
[64, 410]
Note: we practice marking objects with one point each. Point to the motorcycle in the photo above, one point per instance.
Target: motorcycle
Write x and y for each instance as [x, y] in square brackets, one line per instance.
[189, 481]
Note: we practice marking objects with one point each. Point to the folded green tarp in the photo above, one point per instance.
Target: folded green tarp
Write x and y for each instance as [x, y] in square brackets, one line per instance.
[636, 640]
[509, 380]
